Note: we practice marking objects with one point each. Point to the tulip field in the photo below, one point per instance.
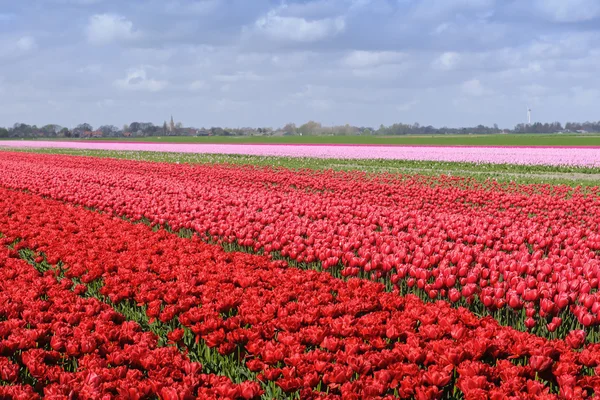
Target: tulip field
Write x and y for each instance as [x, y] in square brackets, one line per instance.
[140, 280]
[582, 156]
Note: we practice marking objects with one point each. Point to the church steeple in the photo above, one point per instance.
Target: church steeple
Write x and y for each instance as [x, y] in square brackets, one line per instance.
[172, 125]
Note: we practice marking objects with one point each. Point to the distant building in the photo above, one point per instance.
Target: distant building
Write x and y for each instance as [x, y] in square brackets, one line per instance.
[187, 131]
[92, 134]
[171, 127]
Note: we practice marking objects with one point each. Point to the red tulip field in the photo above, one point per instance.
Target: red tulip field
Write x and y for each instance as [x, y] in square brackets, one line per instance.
[142, 280]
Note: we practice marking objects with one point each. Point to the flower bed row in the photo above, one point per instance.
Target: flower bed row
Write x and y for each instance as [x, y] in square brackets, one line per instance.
[57, 344]
[306, 331]
[528, 255]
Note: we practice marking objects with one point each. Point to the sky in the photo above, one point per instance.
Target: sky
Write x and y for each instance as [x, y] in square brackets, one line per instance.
[264, 63]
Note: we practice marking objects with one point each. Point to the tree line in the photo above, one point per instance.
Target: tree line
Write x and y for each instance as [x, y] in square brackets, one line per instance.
[142, 129]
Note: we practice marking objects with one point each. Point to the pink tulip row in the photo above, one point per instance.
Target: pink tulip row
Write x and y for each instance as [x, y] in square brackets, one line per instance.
[573, 156]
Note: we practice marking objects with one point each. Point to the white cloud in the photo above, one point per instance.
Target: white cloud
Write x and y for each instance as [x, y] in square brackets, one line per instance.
[26, 43]
[433, 9]
[535, 90]
[12, 48]
[239, 76]
[106, 103]
[225, 104]
[473, 87]
[138, 80]
[367, 59]
[585, 96]
[198, 85]
[568, 10]
[291, 60]
[298, 29]
[108, 28]
[532, 68]
[92, 69]
[199, 7]
[441, 28]
[381, 73]
[320, 104]
[407, 106]
[447, 61]
[488, 67]
[80, 2]
[251, 58]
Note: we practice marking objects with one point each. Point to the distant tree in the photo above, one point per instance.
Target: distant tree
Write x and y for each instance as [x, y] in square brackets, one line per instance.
[21, 130]
[85, 127]
[290, 128]
[134, 127]
[310, 128]
[216, 131]
[151, 129]
[81, 128]
[3, 133]
[109, 130]
[165, 128]
[50, 130]
[520, 128]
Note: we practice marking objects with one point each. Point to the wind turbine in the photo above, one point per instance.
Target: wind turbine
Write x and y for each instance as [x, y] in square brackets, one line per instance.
[528, 116]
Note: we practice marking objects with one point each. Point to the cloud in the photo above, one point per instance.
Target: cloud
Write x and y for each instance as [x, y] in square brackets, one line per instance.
[79, 2]
[447, 61]
[363, 62]
[107, 28]
[91, 69]
[320, 104]
[106, 103]
[137, 80]
[198, 85]
[17, 47]
[435, 9]
[85, 2]
[297, 29]
[407, 106]
[198, 7]
[365, 59]
[224, 104]
[473, 87]
[535, 90]
[568, 11]
[239, 76]
[441, 28]
[26, 43]
[291, 60]
[585, 96]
